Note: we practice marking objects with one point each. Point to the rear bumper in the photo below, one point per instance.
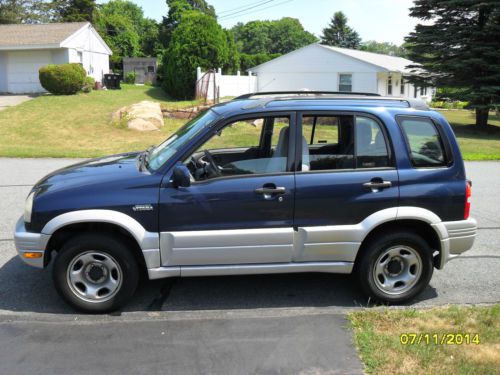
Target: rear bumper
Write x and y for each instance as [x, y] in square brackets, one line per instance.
[28, 242]
[458, 236]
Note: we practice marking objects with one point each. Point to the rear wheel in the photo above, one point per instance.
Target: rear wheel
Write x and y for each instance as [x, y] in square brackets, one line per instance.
[394, 268]
[95, 273]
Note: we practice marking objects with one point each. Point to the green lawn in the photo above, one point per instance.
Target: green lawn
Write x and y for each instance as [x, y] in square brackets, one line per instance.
[81, 126]
[396, 341]
[475, 144]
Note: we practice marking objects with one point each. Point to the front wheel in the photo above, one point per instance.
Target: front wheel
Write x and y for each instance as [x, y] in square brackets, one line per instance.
[394, 268]
[95, 273]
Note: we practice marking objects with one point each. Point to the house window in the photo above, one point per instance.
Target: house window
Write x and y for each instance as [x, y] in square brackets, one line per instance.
[389, 85]
[345, 82]
[402, 92]
[415, 89]
[80, 57]
[422, 91]
[151, 69]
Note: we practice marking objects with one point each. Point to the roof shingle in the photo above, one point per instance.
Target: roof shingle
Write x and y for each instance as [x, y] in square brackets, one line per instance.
[37, 34]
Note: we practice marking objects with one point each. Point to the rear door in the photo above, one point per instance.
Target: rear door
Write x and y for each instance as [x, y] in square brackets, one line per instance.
[351, 176]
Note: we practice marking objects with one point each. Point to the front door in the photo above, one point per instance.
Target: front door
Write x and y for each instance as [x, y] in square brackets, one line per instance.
[350, 176]
[239, 207]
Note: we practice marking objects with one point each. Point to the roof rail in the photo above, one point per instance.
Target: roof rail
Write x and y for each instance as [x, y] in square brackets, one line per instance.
[271, 93]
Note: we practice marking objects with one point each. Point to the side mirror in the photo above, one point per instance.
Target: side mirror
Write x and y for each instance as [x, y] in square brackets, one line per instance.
[181, 176]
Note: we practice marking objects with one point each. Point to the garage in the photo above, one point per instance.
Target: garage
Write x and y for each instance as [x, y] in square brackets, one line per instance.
[22, 70]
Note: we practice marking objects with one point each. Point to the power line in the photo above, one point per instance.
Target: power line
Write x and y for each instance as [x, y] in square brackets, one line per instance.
[260, 2]
[248, 9]
[254, 11]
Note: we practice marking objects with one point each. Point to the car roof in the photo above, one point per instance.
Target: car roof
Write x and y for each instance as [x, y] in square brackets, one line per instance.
[305, 100]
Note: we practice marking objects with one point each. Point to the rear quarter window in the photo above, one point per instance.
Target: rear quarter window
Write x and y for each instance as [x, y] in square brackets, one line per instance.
[424, 142]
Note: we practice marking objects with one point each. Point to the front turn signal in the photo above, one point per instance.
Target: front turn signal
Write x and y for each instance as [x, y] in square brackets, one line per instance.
[32, 255]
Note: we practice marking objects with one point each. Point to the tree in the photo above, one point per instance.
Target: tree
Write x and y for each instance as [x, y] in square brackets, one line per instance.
[460, 47]
[271, 37]
[197, 41]
[252, 37]
[339, 34]
[175, 10]
[287, 35]
[384, 48]
[26, 11]
[76, 10]
[128, 33]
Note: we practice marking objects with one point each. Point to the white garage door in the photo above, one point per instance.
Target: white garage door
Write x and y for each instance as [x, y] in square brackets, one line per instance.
[22, 70]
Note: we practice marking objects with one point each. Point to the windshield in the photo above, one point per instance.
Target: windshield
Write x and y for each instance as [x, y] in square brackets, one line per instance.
[167, 149]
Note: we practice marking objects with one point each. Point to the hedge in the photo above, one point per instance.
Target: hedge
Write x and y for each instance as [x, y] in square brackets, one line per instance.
[63, 79]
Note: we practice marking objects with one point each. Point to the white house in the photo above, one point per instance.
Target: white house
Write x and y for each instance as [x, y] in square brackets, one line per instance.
[323, 68]
[26, 48]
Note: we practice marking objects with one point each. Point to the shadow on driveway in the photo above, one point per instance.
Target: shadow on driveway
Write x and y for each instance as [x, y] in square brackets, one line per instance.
[25, 289]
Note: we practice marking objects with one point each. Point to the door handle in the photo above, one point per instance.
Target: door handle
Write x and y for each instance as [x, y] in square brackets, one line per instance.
[269, 190]
[377, 184]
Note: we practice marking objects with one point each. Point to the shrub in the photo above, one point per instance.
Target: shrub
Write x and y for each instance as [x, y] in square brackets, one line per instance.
[63, 79]
[130, 77]
[88, 84]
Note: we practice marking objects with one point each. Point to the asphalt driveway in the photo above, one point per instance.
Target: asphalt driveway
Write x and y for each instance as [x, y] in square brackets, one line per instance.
[253, 324]
[12, 100]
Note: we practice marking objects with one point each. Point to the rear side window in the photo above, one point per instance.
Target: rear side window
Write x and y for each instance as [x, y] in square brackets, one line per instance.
[371, 148]
[424, 141]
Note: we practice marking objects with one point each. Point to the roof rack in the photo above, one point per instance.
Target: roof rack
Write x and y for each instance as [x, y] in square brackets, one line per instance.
[272, 93]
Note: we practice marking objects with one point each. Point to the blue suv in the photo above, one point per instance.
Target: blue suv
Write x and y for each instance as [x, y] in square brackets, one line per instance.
[266, 183]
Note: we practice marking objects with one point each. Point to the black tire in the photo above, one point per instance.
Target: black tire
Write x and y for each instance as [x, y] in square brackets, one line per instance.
[108, 246]
[375, 250]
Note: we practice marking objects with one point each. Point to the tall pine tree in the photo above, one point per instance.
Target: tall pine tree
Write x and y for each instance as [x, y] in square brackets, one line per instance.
[76, 10]
[460, 45]
[339, 34]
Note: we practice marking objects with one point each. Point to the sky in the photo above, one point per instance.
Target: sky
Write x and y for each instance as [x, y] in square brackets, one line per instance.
[380, 20]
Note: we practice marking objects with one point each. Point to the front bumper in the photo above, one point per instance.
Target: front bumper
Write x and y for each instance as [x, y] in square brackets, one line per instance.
[456, 237]
[28, 242]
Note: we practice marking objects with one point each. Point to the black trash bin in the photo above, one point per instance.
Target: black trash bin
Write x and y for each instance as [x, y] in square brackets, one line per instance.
[112, 81]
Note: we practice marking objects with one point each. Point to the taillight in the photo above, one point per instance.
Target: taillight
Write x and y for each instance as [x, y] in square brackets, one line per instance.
[468, 192]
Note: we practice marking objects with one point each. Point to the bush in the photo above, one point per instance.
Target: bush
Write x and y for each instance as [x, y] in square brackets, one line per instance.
[130, 77]
[88, 84]
[63, 79]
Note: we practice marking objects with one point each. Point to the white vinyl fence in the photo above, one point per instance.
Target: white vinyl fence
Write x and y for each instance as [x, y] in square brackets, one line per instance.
[214, 85]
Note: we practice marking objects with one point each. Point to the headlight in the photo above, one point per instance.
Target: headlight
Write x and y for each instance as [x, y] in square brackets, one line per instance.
[28, 207]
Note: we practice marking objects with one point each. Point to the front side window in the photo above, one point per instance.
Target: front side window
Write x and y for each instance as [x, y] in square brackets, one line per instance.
[345, 82]
[424, 141]
[250, 146]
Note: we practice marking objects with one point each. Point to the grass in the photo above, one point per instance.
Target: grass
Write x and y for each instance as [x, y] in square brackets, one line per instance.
[377, 337]
[81, 126]
[475, 143]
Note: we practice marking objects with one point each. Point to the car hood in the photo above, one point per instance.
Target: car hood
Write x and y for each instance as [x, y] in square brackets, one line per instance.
[93, 171]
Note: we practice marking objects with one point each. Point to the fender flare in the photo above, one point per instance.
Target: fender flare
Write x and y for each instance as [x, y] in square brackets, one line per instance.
[148, 241]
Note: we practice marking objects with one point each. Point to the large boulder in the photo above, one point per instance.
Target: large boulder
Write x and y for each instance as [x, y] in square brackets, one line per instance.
[143, 116]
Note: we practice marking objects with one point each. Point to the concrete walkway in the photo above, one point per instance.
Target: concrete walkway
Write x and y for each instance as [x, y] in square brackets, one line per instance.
[7, 101]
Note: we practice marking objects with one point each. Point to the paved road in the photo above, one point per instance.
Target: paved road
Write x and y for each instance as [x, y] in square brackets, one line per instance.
[7, 101]
[253, 324]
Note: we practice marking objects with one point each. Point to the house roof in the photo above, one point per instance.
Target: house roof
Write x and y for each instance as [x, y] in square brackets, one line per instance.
[19, 35]
[390, 63]
[384, 62]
